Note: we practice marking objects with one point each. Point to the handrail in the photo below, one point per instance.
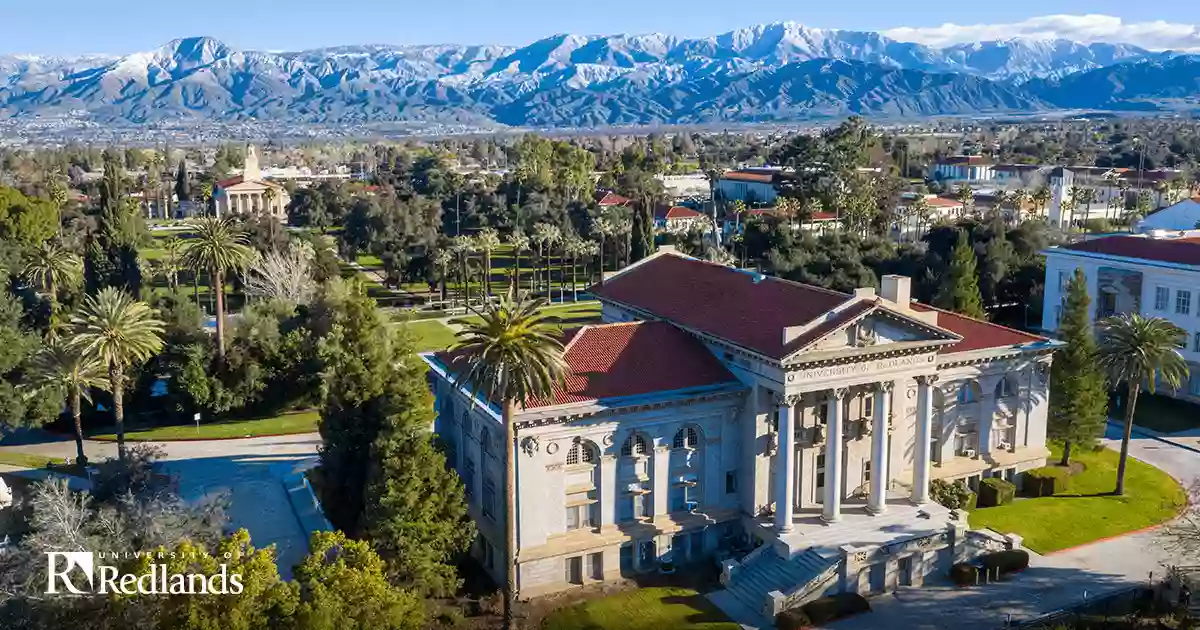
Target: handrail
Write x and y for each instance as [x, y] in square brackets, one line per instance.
[818, 581]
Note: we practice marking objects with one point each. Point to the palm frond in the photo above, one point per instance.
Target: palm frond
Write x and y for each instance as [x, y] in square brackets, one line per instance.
[1137, 349]
[116, 329]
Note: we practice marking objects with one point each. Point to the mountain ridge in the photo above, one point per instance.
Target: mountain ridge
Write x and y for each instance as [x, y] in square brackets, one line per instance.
[777, 71]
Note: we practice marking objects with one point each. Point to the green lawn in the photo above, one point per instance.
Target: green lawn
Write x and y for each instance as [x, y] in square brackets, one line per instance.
[1164, 414]
[659, 608]
[302, 422]
[430, 335]
[369, 261]
[25, 460]
[1086, 512]
[572, 315]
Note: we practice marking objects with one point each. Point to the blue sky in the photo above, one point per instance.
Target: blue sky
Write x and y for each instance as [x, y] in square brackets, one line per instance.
[82, 26]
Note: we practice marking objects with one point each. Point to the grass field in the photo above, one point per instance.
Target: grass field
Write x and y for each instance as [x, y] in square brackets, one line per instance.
[659, 608]
[1086, 511]
[430, 335]
[25, 460]
[286, 424]
[571, 315]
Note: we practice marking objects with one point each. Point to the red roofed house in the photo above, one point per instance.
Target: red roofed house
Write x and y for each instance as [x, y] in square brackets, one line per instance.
[750, 185]
[1156, 275]
[676, 218]
[606, 199]
[717, 408]
[247, 193]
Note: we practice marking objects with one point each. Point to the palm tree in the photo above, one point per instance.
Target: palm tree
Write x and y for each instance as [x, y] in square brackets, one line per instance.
[117, 331]
[966, 197]
[1042, 197]
[1020, 198]
[573, 248]
[1136, 350]
[486, 241]
[206, 193]
[1087, 196]
[510, 353]
[52, 267]
[442, 259]
[462, 246]
[519, 243]
[60, 366]
[217, 247]
[269, 196]
[172, 260]
[546, 236]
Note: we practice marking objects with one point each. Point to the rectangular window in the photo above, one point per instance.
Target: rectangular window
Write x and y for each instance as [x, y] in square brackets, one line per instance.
[1194, 389]
[866, 471]
[575, 570]
[1183, 302]
[731, 482]
[626, 507]
[573, 517]
[489, 499]
[469, 478]
[1196, 343]
[1162, 295]
[626, 559]
[596, 565]
[1062, 282]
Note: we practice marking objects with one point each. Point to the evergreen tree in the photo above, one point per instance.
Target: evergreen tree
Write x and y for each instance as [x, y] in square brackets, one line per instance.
[111, 259]
[382, 477]
[183, 189]
[643, 232]
[960, 284]
[1078, 396]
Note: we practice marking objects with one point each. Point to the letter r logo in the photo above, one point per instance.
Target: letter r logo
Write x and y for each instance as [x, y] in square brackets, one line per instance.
[81, 559]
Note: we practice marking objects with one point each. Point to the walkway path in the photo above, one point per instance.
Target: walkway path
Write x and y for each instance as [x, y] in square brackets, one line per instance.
[251, 470]
[1052, 582]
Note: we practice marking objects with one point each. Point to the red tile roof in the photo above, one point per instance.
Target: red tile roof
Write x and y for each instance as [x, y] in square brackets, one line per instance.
[608, 198]
[976, 334]
[966, 159]
[232, 181]
[752, 310]
[629, 359]
[942, 202]
[1182, 251]
[676, 212]
[750, 176]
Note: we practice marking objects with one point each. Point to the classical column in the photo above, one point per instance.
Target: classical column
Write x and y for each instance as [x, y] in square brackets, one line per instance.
[785, 463]
[877, 502]
[661, 479]
[920, 488]
[608, 490]
[832, 511]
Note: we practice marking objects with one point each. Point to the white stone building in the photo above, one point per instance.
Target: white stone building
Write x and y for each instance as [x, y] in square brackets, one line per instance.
[752, 186]
[1155, 275]
[718, 409]
[247, 194]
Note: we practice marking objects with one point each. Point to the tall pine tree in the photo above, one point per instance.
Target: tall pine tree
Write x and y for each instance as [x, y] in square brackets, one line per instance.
[382, 477]
[1078, 395]
[642, 244]
[111, 259]
[183, 190]
[960, 284]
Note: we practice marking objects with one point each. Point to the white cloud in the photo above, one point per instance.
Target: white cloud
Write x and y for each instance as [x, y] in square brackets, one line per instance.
[1156, 35]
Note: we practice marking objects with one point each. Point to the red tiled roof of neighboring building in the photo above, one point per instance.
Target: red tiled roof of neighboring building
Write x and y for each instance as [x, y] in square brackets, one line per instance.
[609, 198]
[966, 159]
[750, 176]
[976, 334]
[1181, 251]
[752, 310]
[824, 216]
[676, 212]
[942, 202]
[232, 181]
[817, 216]
[608, 361]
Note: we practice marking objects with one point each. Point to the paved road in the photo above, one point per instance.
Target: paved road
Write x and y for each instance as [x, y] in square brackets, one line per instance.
[1052, 582]
[250, 470]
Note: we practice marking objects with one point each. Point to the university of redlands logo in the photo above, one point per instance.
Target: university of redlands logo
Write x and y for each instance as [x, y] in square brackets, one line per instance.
[78, 573]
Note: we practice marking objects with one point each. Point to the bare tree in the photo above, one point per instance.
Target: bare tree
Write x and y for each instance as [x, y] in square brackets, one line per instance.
[285, 275]
[1182, 536]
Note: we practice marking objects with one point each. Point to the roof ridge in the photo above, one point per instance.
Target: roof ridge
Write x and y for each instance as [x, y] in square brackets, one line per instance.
[579, 332]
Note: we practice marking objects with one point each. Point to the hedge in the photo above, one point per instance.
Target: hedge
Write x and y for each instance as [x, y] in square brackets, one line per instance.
[1006, 561]
[793, 619]
[995, 491]
[826, 609]
[1046, 481]
[964, 574]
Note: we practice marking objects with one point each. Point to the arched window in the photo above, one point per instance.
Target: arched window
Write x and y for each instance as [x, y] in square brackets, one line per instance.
[468, 423]
[484, 442]
[581, 451]
[686, 438]
[969, 392]
[634, 445]
[1005, 388]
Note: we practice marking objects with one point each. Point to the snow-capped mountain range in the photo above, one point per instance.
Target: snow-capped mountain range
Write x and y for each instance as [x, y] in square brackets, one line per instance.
[768, 72]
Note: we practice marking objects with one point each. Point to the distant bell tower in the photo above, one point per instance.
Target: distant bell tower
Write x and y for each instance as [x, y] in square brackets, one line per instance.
[252, 172]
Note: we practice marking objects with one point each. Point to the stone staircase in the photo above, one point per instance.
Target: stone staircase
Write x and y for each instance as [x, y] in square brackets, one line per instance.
[745, 596]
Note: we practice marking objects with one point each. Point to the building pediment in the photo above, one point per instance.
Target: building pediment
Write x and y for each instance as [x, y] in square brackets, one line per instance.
[864, 328]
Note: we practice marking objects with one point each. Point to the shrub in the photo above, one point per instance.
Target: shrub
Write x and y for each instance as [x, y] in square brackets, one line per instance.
[1006, 561]
[952, 495]
[995, 491]
[826, 609]
[794, 619]
[964, 574]
[1046, 481]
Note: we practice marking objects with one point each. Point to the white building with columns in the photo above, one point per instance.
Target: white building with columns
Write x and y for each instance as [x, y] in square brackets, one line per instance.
[251, 194]
[718, 410]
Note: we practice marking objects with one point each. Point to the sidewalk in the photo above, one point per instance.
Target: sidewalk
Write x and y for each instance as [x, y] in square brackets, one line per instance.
[1189, 439]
